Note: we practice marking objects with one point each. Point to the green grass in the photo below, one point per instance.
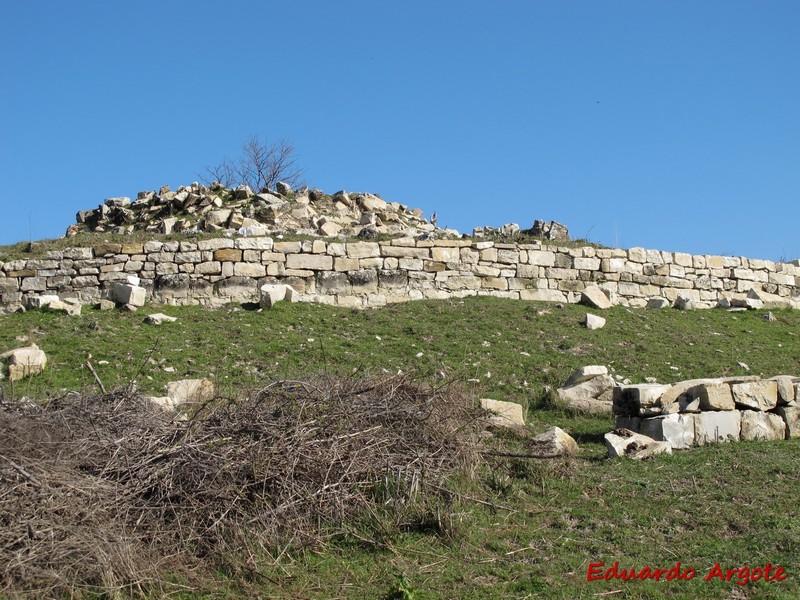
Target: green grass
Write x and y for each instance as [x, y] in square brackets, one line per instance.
[522, 528]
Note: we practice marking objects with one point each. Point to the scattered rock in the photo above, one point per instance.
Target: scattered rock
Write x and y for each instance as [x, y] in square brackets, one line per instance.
[626, 443]
[676, 429]
[683, 303]
[127, 294]
[30, 360]
[768, 316]
[555, 442]
[595, 297]
[586, 373]
[658, 303]
[273, 293]
[594, 322]
[70, 306]
[506, 414]
[159, 318]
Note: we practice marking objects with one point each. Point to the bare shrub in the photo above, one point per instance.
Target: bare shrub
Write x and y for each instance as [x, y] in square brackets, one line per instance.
[110, 493]
[261, 166]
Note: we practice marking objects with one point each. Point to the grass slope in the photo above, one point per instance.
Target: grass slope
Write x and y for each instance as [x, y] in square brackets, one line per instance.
[522, 528]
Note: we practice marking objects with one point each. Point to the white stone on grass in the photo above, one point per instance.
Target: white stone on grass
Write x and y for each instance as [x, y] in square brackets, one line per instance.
[505, 414]
[628, 444]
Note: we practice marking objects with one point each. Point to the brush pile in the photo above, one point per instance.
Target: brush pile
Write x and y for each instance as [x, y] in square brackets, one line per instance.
[110, 493]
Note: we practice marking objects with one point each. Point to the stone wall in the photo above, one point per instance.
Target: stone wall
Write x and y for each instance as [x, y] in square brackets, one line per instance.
[362, 274]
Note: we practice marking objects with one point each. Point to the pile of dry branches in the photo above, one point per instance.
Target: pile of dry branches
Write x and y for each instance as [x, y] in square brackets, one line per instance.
[112, 493]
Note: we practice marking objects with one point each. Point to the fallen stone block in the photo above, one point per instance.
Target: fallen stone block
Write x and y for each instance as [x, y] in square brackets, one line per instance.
[125, 293]
[677, 429]
[35, 302]
[594, 322]
[271, 294]
[30, 360]
[159, 318]
[590, 406]
[658, 303]
[555, 442]
[585, 373]
[717, 426]
[597, 388]
[756, 395]
[595, 297]
[71, 308]
[505, 414]
[185, 391]
[628, 444]
[758, 425]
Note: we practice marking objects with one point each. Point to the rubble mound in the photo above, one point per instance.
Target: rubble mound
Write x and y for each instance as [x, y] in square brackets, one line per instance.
[215, 208]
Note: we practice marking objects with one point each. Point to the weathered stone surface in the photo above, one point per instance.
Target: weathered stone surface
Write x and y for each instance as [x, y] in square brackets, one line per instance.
[640, 400]
[658, 303]
[786, 389]
[713, 396]
[594, 322]
[757, 425]
[124, 293]
[270, 294]
[159, 318]
[586, 373]
[186, 391]
[598, 387]
[677, 429]
[34, 302]
[72, 309]
[504, 414]
[717, 426]
[554, 442]
[628, 444]
[594, 296]
[756, 395]
[790, 416]
[29, 360]
[590, 406]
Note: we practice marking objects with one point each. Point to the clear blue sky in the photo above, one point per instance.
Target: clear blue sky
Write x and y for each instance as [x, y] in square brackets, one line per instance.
[671, 125]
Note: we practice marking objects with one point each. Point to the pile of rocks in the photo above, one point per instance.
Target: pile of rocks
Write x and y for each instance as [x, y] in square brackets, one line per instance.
[553, 231]
[703, 411]
[197, 208]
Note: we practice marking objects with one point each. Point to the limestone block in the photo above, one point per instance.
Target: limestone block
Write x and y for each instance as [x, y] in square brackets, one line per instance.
[590, 406]
[505, 414]
[756, 395]
[29, 360]
[159, 318]
[447, 255]
[713, 396]
[34, 302]
[594, 296]
[554, 442]
[363, 250]
[658, 303]
[585, 373]
[244, 269]
[677, 429]
[717, 426]
[594, 322]
[791, 417]
[626, 443]
[641, 400]
[757, 425]
[311, 262]
[72, 308]
[185, 391]
[228, 255]
[598, 387]
[125, 293]
[272, 293]
[786, 389]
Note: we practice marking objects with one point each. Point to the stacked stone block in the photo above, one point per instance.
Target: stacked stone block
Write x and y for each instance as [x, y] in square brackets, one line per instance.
[367, 273]
[700, 412]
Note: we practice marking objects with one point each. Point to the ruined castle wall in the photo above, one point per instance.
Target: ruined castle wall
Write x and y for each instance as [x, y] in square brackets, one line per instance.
[363, 274]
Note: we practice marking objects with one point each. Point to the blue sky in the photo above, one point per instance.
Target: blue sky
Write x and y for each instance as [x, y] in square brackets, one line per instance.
[670, 125]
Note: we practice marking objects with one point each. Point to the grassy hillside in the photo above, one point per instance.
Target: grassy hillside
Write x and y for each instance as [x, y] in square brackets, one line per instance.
[521, 528]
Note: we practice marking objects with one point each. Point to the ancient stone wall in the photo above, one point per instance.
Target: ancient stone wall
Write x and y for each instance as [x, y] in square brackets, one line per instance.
[363, 274]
